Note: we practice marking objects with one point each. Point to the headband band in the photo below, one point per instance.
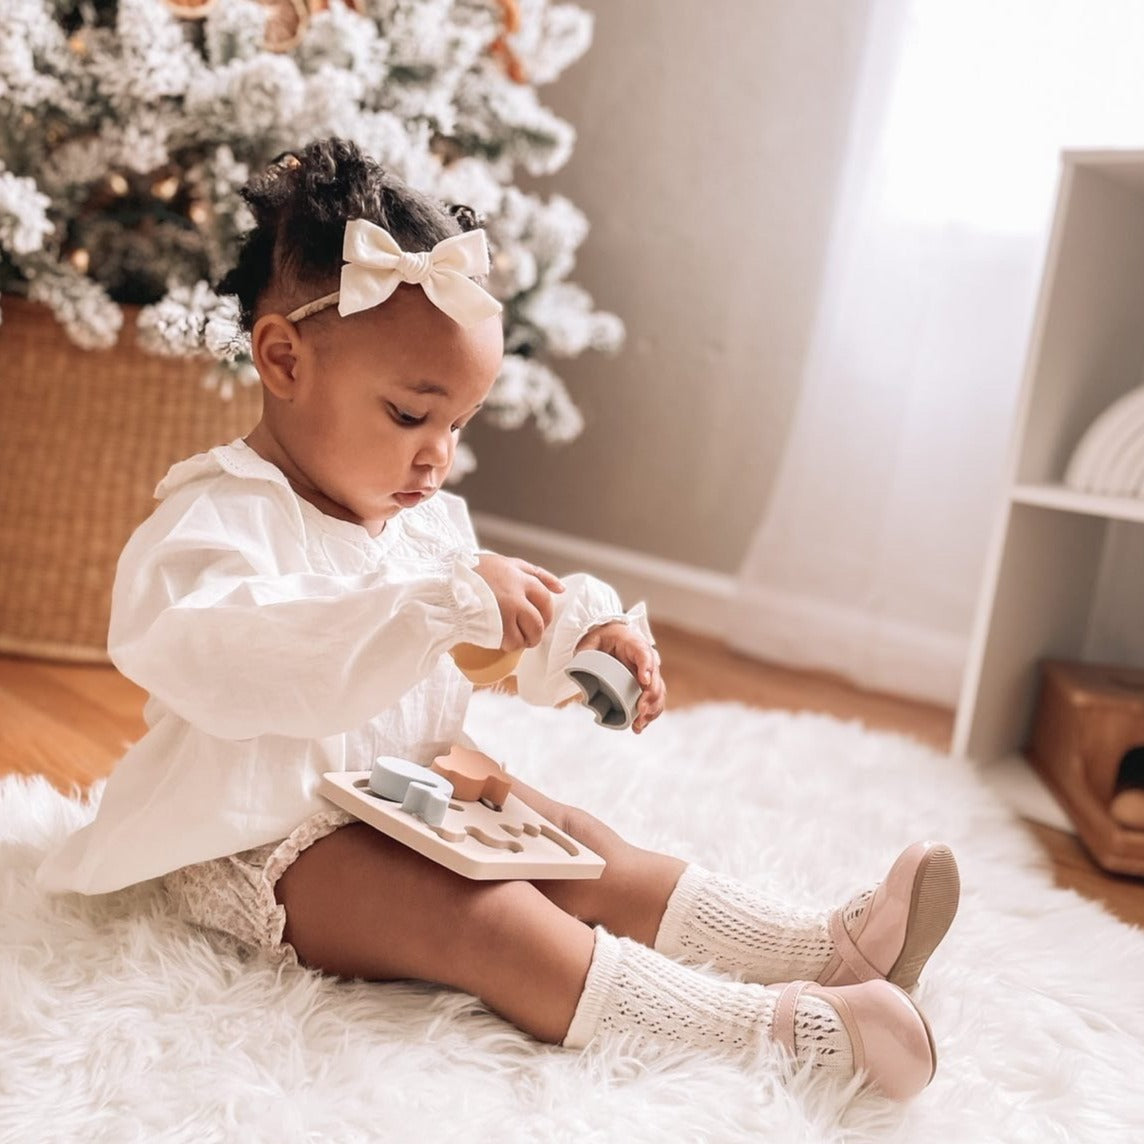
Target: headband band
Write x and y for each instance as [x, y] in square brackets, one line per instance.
[375, 266]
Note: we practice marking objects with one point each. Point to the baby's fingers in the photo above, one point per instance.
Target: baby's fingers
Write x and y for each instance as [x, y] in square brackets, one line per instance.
[552, 583]
[531, 624]
[651, 703]
[541, 599]
[645, 663]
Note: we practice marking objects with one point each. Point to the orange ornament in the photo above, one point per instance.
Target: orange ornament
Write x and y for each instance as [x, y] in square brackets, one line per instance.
[501, 50]
[286, 23]
[190, 9]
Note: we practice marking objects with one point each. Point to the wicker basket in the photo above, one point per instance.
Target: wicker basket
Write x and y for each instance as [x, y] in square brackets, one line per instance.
[84, 438]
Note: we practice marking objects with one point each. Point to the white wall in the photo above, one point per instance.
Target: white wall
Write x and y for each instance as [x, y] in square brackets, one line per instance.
[710, 144]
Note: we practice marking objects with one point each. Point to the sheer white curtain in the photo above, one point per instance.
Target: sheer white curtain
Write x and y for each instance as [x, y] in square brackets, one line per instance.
[868, 557]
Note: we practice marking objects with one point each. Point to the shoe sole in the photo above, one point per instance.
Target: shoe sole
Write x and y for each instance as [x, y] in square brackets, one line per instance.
[933, 904]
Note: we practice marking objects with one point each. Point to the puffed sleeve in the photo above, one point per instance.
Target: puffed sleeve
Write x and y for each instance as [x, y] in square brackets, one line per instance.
[211, 624]
[584, 604]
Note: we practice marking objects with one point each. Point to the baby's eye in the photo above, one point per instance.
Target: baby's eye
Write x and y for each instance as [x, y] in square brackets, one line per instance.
[404, 417]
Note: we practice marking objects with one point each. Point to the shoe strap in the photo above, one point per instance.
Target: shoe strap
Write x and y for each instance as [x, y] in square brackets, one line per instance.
[849, 952]
[782, 1019]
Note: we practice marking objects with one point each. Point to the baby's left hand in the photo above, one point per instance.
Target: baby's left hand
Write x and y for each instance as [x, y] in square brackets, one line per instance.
[640, 658]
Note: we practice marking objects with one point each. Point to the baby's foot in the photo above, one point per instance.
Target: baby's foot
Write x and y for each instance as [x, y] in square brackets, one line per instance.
[891, 931]
[877, 1030]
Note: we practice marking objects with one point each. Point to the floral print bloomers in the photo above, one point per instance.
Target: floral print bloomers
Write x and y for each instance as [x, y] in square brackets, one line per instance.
[234, 896]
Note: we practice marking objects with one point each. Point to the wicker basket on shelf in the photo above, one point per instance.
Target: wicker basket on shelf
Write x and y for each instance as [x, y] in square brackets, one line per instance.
[85, 435]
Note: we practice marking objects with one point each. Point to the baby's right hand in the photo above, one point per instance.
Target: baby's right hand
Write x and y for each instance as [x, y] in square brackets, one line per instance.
[524, 593]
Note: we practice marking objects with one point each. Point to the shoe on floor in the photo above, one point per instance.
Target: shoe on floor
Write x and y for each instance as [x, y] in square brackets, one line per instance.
[890, 1039]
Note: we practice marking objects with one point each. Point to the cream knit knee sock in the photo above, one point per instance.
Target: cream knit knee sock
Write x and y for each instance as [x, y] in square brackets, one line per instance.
[718, 920]
[633, 991]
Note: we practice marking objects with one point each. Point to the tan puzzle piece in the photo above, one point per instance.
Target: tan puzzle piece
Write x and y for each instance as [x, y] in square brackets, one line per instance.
[475, 776]
[475, 840]
[485, 664]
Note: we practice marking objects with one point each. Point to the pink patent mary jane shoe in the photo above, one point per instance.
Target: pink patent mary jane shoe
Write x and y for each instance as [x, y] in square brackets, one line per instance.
[890, 1038]
[902, 923]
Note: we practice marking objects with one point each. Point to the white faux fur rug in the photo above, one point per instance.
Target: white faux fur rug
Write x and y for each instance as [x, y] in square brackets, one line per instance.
[118, 1023]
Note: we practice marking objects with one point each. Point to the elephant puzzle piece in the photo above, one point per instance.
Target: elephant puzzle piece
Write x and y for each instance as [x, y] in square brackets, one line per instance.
[490, 835]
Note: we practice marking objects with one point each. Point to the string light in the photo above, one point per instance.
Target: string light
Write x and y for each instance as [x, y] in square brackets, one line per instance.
[166, 189]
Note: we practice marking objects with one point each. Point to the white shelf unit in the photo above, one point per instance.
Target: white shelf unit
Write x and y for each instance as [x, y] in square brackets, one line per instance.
[1045, 561]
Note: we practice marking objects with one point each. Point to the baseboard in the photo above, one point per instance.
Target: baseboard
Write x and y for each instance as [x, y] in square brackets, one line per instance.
[879, 654]
[769, 625]
[695, 599]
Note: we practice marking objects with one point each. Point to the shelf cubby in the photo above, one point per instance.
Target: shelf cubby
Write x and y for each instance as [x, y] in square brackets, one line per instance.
[1051, 543]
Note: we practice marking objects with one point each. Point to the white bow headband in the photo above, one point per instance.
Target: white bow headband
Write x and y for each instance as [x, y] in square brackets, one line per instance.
[376, 265]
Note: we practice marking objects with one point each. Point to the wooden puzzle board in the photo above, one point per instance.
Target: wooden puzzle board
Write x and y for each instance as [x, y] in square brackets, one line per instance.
[475, 840]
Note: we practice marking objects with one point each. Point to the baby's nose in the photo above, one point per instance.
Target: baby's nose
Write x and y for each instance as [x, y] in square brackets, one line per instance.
[436, 450]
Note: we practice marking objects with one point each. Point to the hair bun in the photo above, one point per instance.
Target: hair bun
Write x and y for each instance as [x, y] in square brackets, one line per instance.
[301, 203]
[467, 218]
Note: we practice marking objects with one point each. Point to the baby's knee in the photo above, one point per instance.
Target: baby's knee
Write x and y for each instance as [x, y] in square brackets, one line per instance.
[495, 928]
[571, 820]
[588, 830]
[487, 914]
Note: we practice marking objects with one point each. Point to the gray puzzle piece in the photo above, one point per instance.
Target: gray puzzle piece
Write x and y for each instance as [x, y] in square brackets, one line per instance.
[609, 689]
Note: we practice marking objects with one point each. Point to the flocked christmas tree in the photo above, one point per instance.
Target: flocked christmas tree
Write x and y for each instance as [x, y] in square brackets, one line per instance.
[126, 127]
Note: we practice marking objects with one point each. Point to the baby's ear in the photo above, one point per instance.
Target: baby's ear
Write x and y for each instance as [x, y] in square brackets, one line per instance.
[275, 345]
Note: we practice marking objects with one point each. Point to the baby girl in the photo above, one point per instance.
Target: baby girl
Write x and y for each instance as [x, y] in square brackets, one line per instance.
[289, 608]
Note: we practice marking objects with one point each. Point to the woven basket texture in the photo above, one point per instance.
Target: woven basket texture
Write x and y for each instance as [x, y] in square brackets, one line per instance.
[85, 436]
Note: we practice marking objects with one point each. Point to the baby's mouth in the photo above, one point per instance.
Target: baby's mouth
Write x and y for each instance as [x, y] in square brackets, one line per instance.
[409, 497]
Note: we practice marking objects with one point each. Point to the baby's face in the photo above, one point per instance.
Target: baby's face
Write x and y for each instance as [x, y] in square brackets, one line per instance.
[374, 424]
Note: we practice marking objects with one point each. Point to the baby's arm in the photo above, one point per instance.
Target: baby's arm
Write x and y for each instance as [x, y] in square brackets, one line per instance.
[587, 614]
[241, 649]
[524, 595]
[585, 604]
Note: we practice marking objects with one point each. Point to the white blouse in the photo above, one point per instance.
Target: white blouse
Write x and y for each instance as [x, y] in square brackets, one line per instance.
[277, 643]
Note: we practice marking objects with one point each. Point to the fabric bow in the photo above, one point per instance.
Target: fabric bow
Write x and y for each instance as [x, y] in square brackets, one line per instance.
[376, 265]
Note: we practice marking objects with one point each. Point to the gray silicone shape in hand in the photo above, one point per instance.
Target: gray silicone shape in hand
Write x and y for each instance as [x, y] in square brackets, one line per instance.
[610, 691]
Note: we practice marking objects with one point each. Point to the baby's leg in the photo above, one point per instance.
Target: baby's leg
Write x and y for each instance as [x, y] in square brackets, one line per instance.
[683, 910]
[631, 895]
[359, 904]
[698, 916]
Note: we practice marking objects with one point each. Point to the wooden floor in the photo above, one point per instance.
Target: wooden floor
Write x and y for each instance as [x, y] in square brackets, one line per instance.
[71, 723]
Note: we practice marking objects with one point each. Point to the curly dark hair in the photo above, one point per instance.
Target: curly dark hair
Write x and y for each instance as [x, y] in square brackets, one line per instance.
[301, 204]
